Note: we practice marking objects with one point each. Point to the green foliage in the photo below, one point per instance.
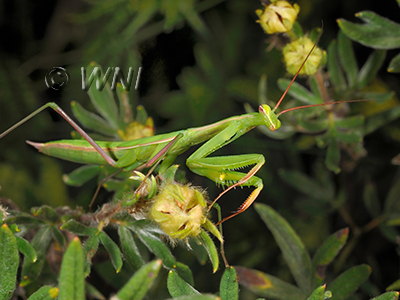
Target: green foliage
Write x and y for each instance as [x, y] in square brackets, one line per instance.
[327, 167]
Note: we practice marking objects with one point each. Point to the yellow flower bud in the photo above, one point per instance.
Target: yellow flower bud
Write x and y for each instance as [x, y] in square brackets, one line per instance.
[180, 211]
[296, 52]
[278, 17]
[136, 130]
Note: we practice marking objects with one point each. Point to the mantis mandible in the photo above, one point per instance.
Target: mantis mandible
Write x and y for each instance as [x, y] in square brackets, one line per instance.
[164, 148]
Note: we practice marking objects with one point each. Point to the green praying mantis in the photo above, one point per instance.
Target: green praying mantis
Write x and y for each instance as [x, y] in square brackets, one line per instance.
[163, 149]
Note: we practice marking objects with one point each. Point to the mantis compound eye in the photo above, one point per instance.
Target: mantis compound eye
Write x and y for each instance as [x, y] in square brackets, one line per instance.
[270, 118]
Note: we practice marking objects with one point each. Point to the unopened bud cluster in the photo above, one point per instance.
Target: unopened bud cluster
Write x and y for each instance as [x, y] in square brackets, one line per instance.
[279, 17]
[180, 211]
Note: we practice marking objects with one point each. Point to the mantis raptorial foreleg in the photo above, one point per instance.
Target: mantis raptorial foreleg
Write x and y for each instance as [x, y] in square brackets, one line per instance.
[220, 169]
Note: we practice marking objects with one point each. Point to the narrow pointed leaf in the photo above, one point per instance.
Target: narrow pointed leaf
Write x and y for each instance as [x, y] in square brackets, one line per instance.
[347, 58]
[78, 229]
[371, 67]
[298, 92]
[26, 249]
[305, 184]
[229, 287]
[41, 242]
[90, 120]
[349, 281]
[377, 32]
[103, 100]
[89, 250]
[332, 158]
[125, 108]
[371, 200]
[72, 280]
[113, 250]
[326, 253]
[9, 261]
[318, 294]
[58, 236]
[197, 297]
[378, 120]
[292, 247]
[336, 73]
[178, 287]
[394, 66]
[266, 285]
[129, 248]
[139, 284]
[81, 175]
[212, 251]
[45, 293]
[392, 203]
[350, 122]
[155, 245]
[387, 296]
[93, 293]
[45, 213]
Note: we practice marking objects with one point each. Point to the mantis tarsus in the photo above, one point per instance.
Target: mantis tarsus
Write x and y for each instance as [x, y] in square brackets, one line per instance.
[165, 148]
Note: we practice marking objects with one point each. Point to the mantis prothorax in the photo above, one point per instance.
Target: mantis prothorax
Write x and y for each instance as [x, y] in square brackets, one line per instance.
[164, 148]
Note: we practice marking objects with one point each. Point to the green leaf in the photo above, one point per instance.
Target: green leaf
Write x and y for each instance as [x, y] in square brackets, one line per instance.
[197, 297]
[336, 74]
[298, 92]
[387, 296]
[380, 119]
[81, 175]
[371, 200]
[394, 66]
[266, 285]
[350, 122]
[229, 288]
[326, 253]
[318, 294]
[306, 185]
[40, 242]
[392, 203]
[58, 236]
[139, 284]
[371, 67]
[155, 245]
[103, 100]
[353, 136]
[290, 244]
[89, 250]
[332, 158]
[45, 213]
[394, 286]
[72, 279]
[26, 249]
[347, 58]
[377, 32]
[112, 249]
[9, 261]
[90, 120]
[78, 229]
[209, 246]
[92, 292]
[178, 287]
[45, 293]
[129, 248]
[349, 281]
